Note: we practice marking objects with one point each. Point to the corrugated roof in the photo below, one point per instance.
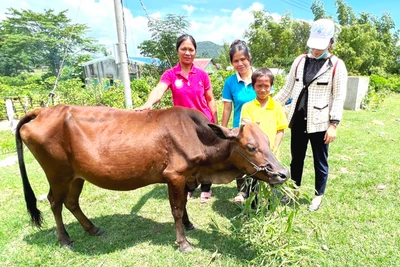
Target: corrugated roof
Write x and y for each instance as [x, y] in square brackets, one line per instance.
[202, 63]
[146, 60]
[138, 60]
[96, 60]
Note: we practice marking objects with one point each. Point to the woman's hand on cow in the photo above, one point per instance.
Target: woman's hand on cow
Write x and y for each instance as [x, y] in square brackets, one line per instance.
[144, 107]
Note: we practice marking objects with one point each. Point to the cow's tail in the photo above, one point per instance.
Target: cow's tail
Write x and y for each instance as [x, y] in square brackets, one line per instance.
[30, 198]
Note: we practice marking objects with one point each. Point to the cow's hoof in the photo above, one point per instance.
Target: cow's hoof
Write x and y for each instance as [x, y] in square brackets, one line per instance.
[98, 231]
[186, 248]
[68, 245]
[190, 227]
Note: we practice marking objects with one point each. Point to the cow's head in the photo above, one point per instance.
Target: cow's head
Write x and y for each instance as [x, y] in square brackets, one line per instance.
[251, 152]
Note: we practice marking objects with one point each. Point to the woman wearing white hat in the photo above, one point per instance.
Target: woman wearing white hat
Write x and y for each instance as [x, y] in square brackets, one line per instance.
[317, 85]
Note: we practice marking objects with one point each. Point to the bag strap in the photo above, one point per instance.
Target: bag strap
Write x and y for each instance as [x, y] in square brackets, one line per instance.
[298, 63]
[334, 67]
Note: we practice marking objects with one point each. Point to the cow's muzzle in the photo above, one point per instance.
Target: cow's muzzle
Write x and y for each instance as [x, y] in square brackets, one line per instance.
[281, 176]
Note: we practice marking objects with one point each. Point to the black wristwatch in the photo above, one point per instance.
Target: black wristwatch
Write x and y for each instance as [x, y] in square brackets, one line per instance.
[335, 123]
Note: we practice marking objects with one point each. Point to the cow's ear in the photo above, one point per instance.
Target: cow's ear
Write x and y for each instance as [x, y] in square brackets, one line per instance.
[222, 132]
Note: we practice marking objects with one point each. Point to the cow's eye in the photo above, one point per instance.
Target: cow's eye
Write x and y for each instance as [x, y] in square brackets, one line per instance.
[250, 148]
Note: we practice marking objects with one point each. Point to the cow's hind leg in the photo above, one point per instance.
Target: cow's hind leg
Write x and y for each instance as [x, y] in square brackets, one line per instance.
[56, 198]
[71, 202]
[177, 199]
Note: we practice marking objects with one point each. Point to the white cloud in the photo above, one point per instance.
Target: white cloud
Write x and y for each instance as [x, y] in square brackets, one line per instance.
[189, 9]
[224, 10]
[227, 28]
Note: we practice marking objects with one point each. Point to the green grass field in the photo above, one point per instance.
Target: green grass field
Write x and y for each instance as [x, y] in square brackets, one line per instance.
[357, 224]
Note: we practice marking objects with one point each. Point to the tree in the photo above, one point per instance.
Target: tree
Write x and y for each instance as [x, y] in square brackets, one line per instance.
[224, 59]
[31, 39]
[276, 44]
[164, 33]
[368, 44]
[345, 13]
[318, 10]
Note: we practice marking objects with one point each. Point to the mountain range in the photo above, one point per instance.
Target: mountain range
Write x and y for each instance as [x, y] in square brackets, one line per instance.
[208, 49]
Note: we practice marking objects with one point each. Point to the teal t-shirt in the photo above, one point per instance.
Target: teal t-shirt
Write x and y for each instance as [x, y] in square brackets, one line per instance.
[238, 93]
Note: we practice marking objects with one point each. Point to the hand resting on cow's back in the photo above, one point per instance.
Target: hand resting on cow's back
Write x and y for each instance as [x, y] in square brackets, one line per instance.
[124, 150]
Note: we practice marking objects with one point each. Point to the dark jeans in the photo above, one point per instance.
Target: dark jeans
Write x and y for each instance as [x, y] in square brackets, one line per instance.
[252, 185]
[203, 187]
[298, 146]
[245, 188]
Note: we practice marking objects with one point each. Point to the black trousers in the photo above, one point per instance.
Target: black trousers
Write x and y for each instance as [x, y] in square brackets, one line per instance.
[298, 146]
[203, 187]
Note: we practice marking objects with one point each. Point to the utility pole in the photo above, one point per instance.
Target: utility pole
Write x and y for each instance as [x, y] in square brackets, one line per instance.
[123, 54]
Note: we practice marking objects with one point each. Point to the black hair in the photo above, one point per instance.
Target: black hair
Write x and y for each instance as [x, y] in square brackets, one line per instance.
[183, 38]
[331, 42]
[260, 73]
[239, 45]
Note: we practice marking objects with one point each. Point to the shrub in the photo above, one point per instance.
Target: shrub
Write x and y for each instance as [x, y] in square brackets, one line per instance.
[379, 88]
[217, 82]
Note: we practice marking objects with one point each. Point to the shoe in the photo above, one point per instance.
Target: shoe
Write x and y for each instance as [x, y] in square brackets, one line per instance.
[285, 200]
[189, 195]
[315, 203]
[239, 199]
[205, 197]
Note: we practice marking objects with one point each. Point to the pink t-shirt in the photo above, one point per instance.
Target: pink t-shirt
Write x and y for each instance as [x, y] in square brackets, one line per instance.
[189, 93]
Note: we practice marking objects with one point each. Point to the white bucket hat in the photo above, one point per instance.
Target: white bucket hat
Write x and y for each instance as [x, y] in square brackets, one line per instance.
[321, 33]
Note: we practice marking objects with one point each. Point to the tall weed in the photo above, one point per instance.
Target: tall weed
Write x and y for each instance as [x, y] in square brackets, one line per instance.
[268, 227]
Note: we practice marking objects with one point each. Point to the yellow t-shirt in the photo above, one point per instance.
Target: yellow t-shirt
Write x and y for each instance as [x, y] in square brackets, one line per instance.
[271, 117]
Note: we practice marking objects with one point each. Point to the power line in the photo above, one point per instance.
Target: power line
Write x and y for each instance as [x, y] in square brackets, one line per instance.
[303, 5]
[51, 94]
[149, 18]
[298, 5]
[308, 4]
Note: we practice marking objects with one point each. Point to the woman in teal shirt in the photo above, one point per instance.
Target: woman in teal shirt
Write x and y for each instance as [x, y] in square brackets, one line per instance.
[237, 88]
[238, 91]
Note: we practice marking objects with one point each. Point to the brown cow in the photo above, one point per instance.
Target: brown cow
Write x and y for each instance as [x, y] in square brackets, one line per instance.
[124, 150]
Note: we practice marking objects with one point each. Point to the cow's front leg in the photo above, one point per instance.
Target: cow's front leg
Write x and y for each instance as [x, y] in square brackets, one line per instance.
[177, 200]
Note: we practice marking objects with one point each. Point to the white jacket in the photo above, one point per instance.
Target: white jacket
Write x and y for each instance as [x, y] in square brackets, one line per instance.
[326, 96]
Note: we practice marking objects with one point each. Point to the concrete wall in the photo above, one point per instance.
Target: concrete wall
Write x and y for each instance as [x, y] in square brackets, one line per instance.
[103, 69]
[357, 88]
[96, 71]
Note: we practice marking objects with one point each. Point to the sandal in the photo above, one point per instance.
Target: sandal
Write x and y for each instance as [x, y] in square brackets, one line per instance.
[205, 197]
[189, 195]
[239, 199]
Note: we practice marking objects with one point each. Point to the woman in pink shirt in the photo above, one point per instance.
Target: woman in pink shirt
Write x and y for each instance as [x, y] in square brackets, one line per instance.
[190, 87]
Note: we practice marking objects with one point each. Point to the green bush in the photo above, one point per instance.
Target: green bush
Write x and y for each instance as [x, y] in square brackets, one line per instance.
[217, 82]
[39, 91]
[379, 88]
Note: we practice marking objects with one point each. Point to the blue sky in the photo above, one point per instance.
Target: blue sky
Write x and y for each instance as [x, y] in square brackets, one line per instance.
[218, 21]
